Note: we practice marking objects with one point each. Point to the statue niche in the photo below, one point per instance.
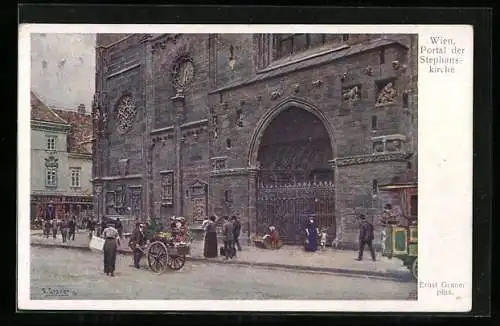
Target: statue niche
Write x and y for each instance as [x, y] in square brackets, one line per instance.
[393, 145]
[387, 94]
[351, 94]
[199, 200]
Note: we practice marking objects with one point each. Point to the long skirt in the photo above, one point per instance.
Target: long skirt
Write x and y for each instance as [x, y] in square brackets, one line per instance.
[312, 244]
[210, 248]
[109, 255]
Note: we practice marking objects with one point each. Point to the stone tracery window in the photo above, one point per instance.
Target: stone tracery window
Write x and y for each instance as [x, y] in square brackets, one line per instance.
[126, 113]
[167, 188]
[289, 44]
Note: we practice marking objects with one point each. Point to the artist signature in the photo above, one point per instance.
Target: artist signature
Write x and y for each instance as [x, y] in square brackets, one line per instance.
[57, 292]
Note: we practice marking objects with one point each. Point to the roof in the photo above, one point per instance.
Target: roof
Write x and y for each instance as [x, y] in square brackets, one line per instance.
[81, 130]
[41, 112]
[319, 59]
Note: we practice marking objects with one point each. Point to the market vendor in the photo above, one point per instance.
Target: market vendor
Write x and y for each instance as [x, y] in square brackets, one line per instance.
[137, 242]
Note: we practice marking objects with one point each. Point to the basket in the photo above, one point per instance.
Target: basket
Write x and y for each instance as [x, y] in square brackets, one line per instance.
[96, 243]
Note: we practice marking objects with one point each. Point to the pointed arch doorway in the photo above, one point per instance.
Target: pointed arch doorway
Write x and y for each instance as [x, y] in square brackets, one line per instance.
[295, 179]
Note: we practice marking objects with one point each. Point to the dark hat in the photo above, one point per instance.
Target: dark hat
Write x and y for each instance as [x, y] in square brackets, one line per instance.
[362, 216]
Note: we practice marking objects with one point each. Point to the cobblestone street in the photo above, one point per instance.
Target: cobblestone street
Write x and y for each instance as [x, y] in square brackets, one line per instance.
[78, 275]
[288, 255]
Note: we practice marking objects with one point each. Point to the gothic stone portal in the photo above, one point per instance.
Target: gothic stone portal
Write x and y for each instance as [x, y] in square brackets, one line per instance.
[295, 180]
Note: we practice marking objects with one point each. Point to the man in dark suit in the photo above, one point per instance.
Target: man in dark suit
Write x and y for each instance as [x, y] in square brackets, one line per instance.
[72, 228]
[227, 232]
[236, 232]
[137, 242]
[365, 237]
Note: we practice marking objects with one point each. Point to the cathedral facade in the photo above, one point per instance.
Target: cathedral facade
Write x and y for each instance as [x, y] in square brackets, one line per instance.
[273, 128]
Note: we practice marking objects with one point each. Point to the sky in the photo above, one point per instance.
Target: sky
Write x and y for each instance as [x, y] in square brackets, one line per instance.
[63, 69]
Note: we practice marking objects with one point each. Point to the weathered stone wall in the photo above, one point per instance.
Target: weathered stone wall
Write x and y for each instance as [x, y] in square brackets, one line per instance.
[119, 74]
[231, 93]
[229, 196]
[234, 58]
[196, 108]
[108, 38]
[356, 194]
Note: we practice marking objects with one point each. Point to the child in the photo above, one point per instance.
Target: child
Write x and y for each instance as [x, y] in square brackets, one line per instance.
[323, 238]
[273, 233]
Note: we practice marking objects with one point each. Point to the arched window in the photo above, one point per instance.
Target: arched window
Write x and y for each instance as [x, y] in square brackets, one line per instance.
[374, 122]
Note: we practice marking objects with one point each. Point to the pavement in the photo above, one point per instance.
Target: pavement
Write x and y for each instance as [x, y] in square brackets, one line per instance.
[61, 274]
[288, 257]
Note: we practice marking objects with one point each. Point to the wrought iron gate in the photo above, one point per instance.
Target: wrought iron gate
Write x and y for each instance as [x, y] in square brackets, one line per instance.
[288, 206]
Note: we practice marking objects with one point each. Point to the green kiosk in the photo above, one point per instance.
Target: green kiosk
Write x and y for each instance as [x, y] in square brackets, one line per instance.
[400, 236]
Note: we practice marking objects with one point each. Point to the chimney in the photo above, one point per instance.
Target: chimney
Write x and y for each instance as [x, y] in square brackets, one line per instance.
[81, 108]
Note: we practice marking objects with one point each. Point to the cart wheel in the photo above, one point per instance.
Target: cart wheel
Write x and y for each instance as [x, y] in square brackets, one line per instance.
[176, 262]
[157, 257]
[414, 268]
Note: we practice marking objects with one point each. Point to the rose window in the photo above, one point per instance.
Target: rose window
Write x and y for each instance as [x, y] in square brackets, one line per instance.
[126, 114]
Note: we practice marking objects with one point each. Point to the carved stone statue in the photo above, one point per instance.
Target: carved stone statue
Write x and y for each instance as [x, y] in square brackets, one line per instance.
[276, 94]
[378, 147]
[393, 145]
[386, 94]
[220, 164]
[351, 95]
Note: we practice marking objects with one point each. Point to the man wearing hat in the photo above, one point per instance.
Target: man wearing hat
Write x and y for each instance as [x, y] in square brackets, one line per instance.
[136, 242]
[227, 232]
[111, 243]
[365, 237]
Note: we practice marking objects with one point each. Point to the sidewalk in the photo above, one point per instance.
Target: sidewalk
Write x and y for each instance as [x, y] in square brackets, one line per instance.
[288, 257]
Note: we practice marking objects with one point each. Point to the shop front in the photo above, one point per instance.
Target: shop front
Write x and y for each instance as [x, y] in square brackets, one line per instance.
[50, 207]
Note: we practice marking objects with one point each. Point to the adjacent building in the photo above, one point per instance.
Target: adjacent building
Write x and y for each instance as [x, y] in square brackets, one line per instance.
[61, 161]
[271, 127]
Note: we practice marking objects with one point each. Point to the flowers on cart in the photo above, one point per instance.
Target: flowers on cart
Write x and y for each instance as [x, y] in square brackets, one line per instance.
[179, 230]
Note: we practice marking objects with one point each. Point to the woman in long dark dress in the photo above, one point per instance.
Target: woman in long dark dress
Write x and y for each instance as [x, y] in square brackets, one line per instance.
[111, 243]
[210, 248]
[312, 233]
